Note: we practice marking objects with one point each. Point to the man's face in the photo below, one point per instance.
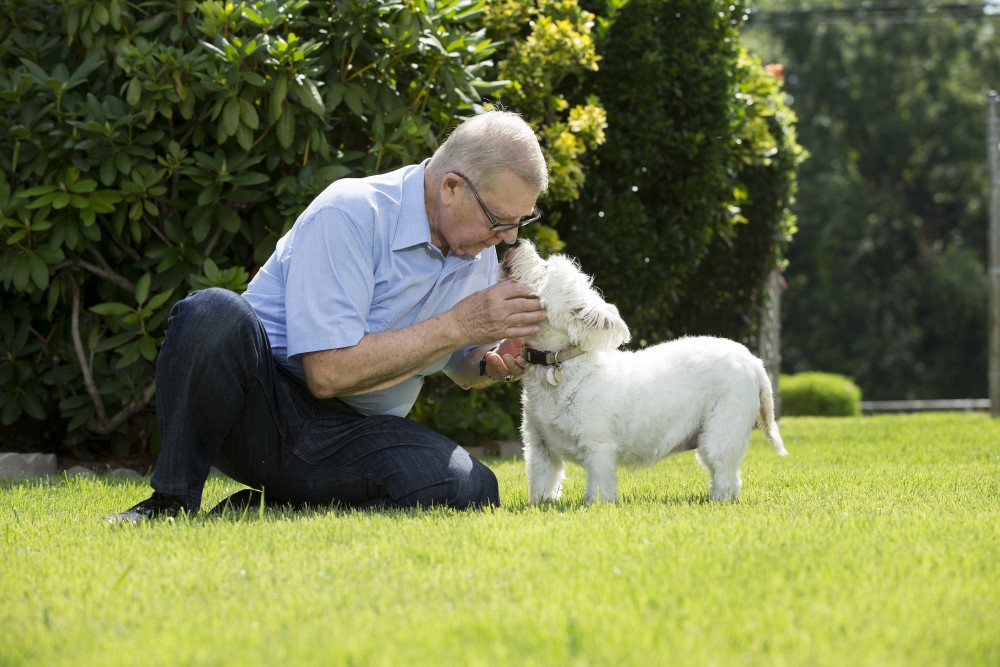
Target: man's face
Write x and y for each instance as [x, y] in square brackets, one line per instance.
[465, 226]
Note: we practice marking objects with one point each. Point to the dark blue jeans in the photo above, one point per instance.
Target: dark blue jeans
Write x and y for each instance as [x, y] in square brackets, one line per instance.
[222, 400]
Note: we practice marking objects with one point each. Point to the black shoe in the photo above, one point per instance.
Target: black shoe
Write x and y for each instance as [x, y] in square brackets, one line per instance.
[249, 499]
[159, 505]
[239, 502]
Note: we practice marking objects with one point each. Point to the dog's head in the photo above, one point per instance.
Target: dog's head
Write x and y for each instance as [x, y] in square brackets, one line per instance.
[577, 315]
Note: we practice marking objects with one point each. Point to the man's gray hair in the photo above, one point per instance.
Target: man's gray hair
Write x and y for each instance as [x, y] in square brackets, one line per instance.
[486, 144]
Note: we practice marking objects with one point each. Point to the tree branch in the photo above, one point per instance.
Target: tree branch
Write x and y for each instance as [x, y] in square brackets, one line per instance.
[101, 425]
[107, 274]
[81, 357]
[129, 410]
[213, 241]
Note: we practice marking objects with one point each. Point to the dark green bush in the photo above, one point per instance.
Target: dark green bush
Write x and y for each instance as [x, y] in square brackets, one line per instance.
[685, 208]
[727, 290]
[819, 395]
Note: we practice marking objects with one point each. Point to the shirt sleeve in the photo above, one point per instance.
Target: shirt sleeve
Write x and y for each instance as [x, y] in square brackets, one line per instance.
[457, 357]
[330, 281]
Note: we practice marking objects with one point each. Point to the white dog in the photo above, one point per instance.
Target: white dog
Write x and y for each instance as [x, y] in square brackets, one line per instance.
[588, 402]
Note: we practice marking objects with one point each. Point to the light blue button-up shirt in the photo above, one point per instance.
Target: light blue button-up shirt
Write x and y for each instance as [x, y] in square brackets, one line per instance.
[360, 260]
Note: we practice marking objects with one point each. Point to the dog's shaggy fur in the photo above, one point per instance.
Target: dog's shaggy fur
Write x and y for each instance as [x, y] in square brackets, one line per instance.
[607, 406]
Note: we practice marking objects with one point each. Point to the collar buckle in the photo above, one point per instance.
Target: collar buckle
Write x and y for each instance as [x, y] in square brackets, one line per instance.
[543, 358]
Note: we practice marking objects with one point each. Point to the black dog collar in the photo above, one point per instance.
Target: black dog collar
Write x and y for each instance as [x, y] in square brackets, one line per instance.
[542, 358]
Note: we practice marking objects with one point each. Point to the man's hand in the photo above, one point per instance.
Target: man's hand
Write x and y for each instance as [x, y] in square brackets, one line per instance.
[506, 362]
[506, 310]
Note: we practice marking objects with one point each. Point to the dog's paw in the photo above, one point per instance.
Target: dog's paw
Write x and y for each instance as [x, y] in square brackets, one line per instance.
[598, 497]
[546, 497]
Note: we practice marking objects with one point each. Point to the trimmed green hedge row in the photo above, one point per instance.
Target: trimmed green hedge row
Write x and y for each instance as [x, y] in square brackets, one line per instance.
[819, 395]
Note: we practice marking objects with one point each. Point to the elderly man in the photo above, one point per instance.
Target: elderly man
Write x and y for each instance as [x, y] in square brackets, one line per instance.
[301, 386]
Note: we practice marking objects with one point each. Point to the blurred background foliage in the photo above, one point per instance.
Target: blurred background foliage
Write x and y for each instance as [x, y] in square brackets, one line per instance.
[886, 278]
[155, 148]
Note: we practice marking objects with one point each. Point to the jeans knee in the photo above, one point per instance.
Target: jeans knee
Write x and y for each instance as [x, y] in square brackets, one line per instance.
[209, 319]
[474, 485]
[215, 307]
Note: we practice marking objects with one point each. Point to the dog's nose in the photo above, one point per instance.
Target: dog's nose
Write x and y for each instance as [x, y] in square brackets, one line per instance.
[515, 244]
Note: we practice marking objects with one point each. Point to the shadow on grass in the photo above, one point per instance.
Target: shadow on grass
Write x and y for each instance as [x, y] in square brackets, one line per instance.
[279, 509]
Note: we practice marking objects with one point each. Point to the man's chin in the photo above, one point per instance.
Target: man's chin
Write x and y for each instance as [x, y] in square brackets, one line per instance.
[471, 250]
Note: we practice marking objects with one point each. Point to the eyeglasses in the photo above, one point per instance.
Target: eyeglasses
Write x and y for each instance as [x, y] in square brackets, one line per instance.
[494, 225]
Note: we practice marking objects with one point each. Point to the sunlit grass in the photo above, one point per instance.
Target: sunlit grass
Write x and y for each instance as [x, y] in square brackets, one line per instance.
[874, 543]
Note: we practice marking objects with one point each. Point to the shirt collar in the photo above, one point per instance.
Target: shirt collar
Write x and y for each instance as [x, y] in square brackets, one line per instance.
[415, 229]
[412, 228]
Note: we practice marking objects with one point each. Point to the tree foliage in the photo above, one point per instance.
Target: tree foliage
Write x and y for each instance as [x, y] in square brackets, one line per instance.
[685, 208]
[885, 279]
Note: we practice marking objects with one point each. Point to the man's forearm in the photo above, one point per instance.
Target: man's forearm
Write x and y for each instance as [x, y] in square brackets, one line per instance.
[506, 310]
[379, 360]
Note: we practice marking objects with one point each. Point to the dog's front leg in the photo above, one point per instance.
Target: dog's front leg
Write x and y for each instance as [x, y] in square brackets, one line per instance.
[602, 479]
[545, 473]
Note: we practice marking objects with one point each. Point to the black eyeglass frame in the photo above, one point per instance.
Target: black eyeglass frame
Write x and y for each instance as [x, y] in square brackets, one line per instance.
[494, 225]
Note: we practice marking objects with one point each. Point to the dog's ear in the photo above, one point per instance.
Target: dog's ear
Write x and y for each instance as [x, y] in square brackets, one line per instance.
[598, 326]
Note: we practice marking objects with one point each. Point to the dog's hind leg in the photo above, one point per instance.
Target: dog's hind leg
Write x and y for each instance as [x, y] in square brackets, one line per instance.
[721, 450]
[724, 482]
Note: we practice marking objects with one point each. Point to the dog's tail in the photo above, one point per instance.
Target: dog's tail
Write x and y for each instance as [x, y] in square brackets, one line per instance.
[766, 415]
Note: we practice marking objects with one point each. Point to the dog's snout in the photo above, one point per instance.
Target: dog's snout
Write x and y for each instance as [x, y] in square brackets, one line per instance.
[505, 264]
[508, 257]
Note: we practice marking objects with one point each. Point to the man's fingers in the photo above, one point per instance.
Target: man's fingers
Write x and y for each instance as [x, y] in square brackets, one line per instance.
[527, 318]
[505, 366]
[513, 289]
[514, 365]
[510, 346]
[525, 303]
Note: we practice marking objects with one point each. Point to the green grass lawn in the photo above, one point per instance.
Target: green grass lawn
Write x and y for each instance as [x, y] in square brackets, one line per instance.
[875, 542]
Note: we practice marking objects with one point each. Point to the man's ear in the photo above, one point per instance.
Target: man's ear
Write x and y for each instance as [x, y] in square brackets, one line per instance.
[448, 185]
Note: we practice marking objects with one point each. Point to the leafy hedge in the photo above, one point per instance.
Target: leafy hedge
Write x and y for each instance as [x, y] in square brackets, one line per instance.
[685, 209]
[819, 395]
[726, 292]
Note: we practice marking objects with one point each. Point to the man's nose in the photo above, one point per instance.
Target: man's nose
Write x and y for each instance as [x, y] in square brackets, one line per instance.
[509, 236]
